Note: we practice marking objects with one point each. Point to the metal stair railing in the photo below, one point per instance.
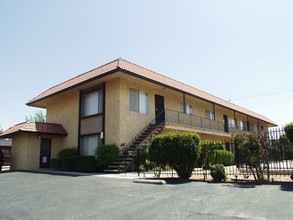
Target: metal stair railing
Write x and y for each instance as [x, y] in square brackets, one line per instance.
[125, 150]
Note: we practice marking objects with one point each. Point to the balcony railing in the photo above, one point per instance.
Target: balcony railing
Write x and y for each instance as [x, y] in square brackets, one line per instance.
[179, 118]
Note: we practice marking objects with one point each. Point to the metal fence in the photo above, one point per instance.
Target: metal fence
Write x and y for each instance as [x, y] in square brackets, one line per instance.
[277, 165]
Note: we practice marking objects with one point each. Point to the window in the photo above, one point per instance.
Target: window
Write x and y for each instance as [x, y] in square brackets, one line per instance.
[232, 123]
[210, 115]
[92, 103]
[242, 125]
[138, 101]
[89, 144]
[187, 109]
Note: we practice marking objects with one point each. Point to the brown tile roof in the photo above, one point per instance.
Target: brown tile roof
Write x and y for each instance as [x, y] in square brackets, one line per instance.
[142, 72]
[35, 127]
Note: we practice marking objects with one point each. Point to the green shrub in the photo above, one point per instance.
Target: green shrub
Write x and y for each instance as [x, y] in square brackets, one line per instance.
[214, 145]
[218, 172]
[224, 157]
[208, 155]
[283, 140]
[84, 163]
[106, 154]
[289, 131]
[67, 164]
[180, 150]
[67, 152]
[65, 157]
[55, 164]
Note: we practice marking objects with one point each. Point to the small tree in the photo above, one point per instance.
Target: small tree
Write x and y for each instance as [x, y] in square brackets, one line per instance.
[289, 131]
[39, 117]
[254, 151]
[179, 150]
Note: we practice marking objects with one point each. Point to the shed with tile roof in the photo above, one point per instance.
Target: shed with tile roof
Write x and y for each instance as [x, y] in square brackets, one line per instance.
[34, 143]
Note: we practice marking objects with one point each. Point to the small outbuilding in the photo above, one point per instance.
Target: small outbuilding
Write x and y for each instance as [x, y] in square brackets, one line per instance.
[5, 147]
[34, 143]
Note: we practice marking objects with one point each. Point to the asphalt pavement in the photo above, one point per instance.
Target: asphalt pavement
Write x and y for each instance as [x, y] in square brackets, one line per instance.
[26, 195]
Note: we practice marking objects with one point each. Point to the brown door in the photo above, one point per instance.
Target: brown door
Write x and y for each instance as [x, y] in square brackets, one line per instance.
[226, 125]
[160, 107]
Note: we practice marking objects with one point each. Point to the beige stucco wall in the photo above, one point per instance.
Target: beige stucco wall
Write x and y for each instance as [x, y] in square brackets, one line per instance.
[131, 123]
[64, 109]
[56, 144]
[25, 151]
[112, 111]
[122, 125]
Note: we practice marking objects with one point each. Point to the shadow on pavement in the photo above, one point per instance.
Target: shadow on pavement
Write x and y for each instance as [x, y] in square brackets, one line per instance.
[176, 181]
[59, 173]
[287, 187]
[241, 185]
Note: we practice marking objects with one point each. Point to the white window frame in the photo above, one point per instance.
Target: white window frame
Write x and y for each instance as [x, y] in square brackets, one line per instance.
[242, 125]
[138, 101]
[89, 144]
[210, 115]
[92, 103]
[187, 110]
[232, 123]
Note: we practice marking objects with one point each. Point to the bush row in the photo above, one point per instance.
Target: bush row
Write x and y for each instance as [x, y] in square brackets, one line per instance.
[75, 163]
[70, 160]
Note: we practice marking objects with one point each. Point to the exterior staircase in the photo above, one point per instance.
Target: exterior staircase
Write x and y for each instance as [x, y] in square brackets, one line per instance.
[128, 154]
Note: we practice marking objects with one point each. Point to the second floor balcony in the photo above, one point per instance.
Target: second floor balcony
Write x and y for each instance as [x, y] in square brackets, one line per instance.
[197, 122]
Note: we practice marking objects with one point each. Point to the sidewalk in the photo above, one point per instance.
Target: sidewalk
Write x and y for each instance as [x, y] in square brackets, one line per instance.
[132, 176]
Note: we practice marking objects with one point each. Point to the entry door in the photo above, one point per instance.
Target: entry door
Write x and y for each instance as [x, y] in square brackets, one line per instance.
[226, 127]
[45, 153]
[160, 106]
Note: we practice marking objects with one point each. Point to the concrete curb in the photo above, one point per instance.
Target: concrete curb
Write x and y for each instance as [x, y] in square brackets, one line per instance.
[147, 181]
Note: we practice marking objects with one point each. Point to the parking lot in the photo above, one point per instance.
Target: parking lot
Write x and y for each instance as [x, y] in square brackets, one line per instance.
[27, 195]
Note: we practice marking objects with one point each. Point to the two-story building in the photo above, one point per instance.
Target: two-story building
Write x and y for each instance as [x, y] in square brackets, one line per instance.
[115, 102]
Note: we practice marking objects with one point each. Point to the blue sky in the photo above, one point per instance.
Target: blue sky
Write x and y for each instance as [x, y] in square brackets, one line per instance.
[239, 50]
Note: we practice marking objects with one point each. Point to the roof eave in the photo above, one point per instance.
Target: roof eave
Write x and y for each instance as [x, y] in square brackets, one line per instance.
[33, 103]
[12, 134]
